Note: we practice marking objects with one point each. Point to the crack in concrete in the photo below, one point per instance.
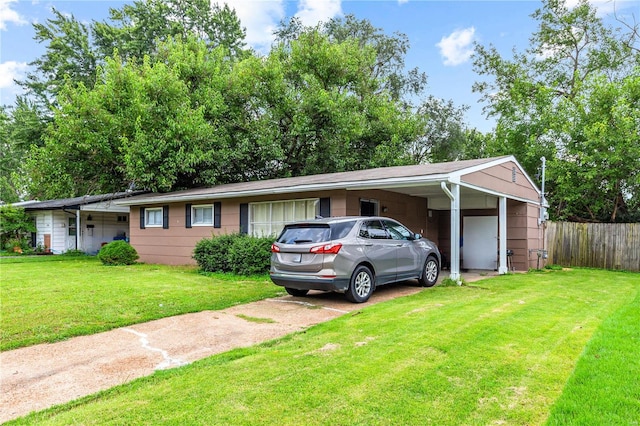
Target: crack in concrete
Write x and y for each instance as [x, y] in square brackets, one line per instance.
[168, 362]
[309, 305]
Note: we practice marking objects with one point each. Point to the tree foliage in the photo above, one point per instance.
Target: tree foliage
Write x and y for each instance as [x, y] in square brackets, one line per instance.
[15, 226]
[136, 29]
[549, 99]
[190, 115]
[163, 96]
[69, 56]
[444, 135]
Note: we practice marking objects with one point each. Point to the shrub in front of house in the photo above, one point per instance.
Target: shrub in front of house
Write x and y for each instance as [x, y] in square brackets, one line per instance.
[236, 253]
[212, 254]
[250, 255]
[118, 253]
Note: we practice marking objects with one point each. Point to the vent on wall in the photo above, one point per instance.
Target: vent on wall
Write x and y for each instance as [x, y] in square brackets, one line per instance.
[514, 173]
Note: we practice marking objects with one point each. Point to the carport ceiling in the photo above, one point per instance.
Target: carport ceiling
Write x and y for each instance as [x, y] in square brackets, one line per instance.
[438, 200]
[428, 191]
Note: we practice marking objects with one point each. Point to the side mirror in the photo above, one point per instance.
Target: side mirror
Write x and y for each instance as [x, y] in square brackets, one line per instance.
[416, 236]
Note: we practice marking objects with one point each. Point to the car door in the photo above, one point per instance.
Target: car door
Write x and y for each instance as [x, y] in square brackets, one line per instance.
[380, 248]
[409, 255]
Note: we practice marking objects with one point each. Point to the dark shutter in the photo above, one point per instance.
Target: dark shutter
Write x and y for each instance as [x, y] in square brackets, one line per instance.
[244, 218]
[187, 215]
[217, 214]
[325, 207]
[165, 217]
[142, 218]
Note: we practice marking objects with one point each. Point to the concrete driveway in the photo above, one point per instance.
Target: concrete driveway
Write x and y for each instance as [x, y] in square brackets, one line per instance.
[38, 377]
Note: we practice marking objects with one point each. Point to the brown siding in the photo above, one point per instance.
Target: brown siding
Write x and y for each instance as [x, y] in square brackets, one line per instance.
[174, 246]
[499, 178]
[411, 211]
[524, 236]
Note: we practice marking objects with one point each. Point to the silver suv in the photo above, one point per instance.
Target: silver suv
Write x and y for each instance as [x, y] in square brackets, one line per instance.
[351, 255]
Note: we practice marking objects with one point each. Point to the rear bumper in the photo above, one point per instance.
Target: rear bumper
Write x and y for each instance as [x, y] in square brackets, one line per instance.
[306, 282]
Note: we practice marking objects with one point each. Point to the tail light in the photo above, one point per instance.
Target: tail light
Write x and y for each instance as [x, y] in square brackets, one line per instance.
[275, 248]
[326, 249]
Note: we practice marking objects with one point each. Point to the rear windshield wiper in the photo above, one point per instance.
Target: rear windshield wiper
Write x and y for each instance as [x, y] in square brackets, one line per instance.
[302, 241]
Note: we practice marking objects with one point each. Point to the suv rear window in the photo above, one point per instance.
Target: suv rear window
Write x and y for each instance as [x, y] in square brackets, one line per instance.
[306, 233]
[314, 233]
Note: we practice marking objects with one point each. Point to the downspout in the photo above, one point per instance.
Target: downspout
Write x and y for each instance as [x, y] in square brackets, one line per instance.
[502, 267]
[454, 196]
[542, 221]
[78, 231]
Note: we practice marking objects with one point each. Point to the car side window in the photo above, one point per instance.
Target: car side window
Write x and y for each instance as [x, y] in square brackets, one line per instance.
[397, 231]
[373, 229]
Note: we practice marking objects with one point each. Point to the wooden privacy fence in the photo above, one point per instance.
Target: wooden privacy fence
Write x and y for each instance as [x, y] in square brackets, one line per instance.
[597, 245]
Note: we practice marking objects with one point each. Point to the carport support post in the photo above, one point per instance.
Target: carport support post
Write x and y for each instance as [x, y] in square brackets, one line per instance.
[502, 269]
[454, 196]
[78, 231]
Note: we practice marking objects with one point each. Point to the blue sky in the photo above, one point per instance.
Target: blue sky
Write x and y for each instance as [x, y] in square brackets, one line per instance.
[441, 33]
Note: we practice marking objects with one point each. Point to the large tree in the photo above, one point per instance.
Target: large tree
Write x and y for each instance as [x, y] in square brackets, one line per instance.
[600, 177]
[73, 50]
[155, 125]
[444, 134]
[69, 56]
[21, 127]
[332, 112]
[136, 29]
[193, 116]
[194, 111]
[76, 55]
[543, 98]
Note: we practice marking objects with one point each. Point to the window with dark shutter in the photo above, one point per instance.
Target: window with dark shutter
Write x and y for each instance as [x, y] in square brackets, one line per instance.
[142, 218]
[187, 216]
[217, 215]
[244, 218]
[325, 207]
[165, 217]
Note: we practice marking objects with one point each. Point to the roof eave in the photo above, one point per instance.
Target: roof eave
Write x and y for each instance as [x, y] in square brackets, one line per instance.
[386, 183]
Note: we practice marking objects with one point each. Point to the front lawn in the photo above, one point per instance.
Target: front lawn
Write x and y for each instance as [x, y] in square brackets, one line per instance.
[49, 298]
[500, 351]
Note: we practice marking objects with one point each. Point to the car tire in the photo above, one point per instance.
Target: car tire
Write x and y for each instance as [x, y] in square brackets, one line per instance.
[296, 292]
[361, 285]
[430, 272]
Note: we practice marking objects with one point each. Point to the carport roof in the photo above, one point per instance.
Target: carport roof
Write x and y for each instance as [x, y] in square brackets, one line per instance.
[73, 203]
[385, 177]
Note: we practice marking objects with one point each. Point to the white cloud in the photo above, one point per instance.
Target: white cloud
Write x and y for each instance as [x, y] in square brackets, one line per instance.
[260, 19]
[9, 15]
[311, 12]
[457, 48]
[9, 71]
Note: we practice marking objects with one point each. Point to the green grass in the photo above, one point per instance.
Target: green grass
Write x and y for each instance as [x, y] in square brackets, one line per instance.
[607, 377]
[50, 298]
[500, 351]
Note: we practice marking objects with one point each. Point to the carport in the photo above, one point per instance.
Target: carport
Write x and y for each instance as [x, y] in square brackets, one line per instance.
[475, 189]
[451, 203]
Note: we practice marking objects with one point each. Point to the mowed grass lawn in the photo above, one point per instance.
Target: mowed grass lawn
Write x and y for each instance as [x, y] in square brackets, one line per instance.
[46, 299]
[560, 347]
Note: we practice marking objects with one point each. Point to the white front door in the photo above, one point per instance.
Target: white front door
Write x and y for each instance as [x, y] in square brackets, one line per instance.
[480, 242]
[72, 229]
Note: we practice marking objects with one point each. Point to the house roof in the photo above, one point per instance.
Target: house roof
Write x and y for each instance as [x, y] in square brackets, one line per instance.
[73, 203]
[379, 178]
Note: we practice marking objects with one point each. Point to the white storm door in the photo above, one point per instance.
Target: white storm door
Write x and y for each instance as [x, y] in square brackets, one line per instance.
[480, 242]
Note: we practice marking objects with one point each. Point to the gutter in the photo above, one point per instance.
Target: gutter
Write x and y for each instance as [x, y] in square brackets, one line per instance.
[387, 183]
